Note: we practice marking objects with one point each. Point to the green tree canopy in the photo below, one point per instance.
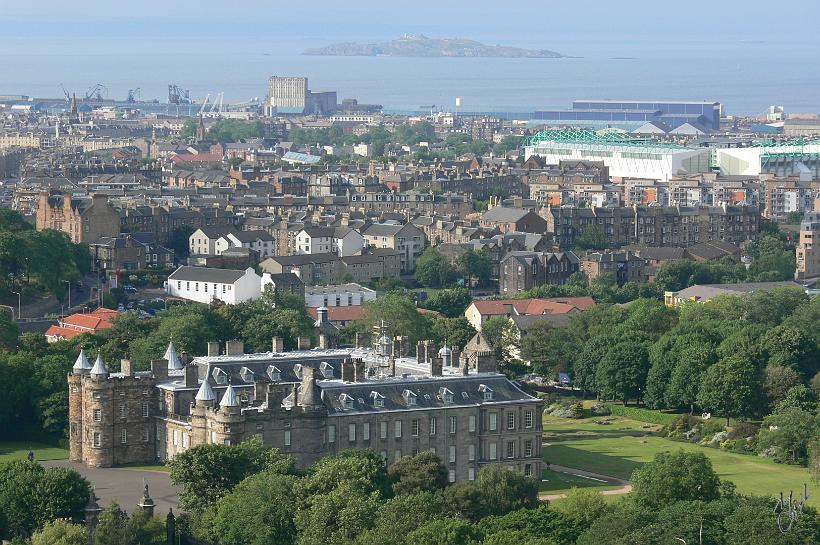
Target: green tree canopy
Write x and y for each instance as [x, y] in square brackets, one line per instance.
[423, 472]
[434, 270]
[732, 388]
[675, 476]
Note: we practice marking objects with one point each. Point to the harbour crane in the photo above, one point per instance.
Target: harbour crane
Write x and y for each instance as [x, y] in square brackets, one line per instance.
[216, 107]
[176, 95]
[66, 94]
[133, 95]
[96, 92]
[204, 103]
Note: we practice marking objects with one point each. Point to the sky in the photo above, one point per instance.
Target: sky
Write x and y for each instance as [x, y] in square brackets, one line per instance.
[377, 19]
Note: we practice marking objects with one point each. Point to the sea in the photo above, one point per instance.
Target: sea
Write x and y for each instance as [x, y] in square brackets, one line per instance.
[746, 74]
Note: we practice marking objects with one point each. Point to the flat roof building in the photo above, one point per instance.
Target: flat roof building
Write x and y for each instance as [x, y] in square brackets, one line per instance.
[631, 114]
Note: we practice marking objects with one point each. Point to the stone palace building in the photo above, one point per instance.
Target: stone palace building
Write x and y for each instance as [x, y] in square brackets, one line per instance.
[309, 404]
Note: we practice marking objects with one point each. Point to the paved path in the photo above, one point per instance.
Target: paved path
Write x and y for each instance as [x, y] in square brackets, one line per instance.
[124, 485]
[626, 488]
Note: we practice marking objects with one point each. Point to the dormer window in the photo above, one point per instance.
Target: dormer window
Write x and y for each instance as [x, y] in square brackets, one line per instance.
[297, 370]
[326, 369]
[465, 395]
[274, 374]
[220, 376]
[378, 399]
[346, 401]
[486, 391]
[409, 397]
[246, 374]
[445, 394]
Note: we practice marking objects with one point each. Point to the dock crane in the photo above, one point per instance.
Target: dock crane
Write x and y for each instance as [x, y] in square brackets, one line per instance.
[176, 95]
[133, 95]
[96, 92]
[204, 103]
[66, 94]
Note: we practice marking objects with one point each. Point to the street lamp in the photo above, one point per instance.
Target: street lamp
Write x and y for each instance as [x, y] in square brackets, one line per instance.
[19, 304]
[69, 293]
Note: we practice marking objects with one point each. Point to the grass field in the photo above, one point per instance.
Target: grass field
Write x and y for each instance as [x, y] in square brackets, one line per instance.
[623, 445]
[555, 482]
[18, 450]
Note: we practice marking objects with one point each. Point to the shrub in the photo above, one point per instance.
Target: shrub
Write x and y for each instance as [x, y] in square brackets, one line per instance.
[712, 426]
[600, 410]
[743, 430]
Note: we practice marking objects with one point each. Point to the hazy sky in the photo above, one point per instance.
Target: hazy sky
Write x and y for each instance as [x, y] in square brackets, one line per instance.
[361, 19]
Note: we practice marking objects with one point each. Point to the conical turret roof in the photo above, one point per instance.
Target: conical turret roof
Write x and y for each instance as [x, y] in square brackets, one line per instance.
[82, 363]
[174, 363]
[230, 398]
[99, 368]
[205, 393]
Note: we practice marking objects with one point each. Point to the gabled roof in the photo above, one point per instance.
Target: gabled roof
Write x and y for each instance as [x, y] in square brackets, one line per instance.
[207, 274]
[504, 214]
[530, 307]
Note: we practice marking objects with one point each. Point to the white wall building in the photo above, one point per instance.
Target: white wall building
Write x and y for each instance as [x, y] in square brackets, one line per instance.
[205, 285]
[343, 295]
[314, 240]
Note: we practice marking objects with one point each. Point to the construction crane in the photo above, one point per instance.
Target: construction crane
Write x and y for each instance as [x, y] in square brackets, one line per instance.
[216, 107]
[66, 94]
[133, 95]
[176, 95]
[96, 92]
[204, 103]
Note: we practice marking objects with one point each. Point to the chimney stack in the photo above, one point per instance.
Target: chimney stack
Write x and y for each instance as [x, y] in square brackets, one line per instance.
[213, 348]
[348, 370]
[191, 376]
[234, 348]
[324, 341]
[304, 342]
[464, 365]
[359, 370]
[436, 366]
[278, 345]
[126, 368]
[159, 368]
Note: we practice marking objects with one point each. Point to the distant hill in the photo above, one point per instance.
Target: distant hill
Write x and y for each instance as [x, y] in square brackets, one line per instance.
[421, 46]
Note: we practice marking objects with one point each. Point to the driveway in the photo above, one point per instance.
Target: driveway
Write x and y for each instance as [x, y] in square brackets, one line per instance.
[124, 485]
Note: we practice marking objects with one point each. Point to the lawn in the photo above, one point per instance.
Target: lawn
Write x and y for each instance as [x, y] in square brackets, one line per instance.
[623, 445]
[555, 482]
[18, 450]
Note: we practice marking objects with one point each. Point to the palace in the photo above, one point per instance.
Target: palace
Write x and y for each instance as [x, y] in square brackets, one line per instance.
[309, 404]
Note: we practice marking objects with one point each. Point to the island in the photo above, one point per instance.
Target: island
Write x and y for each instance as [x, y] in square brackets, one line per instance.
[420, 45]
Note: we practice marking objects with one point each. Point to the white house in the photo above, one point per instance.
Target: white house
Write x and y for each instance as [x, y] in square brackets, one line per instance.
[314, 240]
[205, 285]
[208, 241]
[347, 241]
[260, 241]
[342, 295]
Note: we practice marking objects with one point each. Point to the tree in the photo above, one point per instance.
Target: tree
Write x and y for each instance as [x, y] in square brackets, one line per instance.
[583, 505]
[179, 241]
[8, 331]
[777, 381]
[401, 515]
[452, 303]
[621, 373]
[693, 361]
[208, 472]
[60, 532]
[752, 523]
[593, 238]
[454, 331]
[363, 468]
[115, 527]
[798, 397]
[31, 496]
[499, 333]
[445, 531]
[434, 270]
[475, 264]
[528, 525]
[732, 387]
[547, 347]
[337, 516]
[678, 476]
[399, 312]
[497, 491]
[423, 472]
[789, 430]
[259, 511]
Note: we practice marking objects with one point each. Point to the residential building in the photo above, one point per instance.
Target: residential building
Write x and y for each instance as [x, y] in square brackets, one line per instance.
[76, 324]
[480, 311]
[407, 239]
[205, 285]
[625, 266]
[524, 270]
[322, 269]
[703, 293]
[808, 248]
[85, 220]
[315, 240]
[342, 295]
[513, 219]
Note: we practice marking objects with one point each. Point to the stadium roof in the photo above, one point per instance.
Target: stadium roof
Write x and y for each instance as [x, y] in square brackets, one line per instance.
[591, 137]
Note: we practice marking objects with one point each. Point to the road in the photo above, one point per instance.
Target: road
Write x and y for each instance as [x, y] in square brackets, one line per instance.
[124, 485]
[626, 488]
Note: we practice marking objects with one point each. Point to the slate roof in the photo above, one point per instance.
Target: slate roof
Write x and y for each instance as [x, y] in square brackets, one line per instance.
[206, 274]
[504, 214]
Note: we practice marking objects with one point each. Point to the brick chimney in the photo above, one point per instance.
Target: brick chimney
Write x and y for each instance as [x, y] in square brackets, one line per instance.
[126, 368]
[278, 345]
[213, 348]
[234, 348]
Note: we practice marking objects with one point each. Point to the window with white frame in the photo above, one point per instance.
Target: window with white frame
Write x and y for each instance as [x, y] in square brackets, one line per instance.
[331, 433]
[184, 440]
[528, 448]
[145, 409]
[510, 420]
[528, 419]
[510, 449]
[493, 454]
[366, 431]
[528, 470]
[97, 415]
[453, 424]
[432, 425]
[414, 427]
[383, 430]
[146, 435]
[124, 436]
[451, 476]
[472, 423]
[397, 456]
[176, 437]
[287, 438]
[493, 421]
[97, 439]
[471, 453]
[397, 428]
[351, 432]
[452, 456]
[471, 474]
